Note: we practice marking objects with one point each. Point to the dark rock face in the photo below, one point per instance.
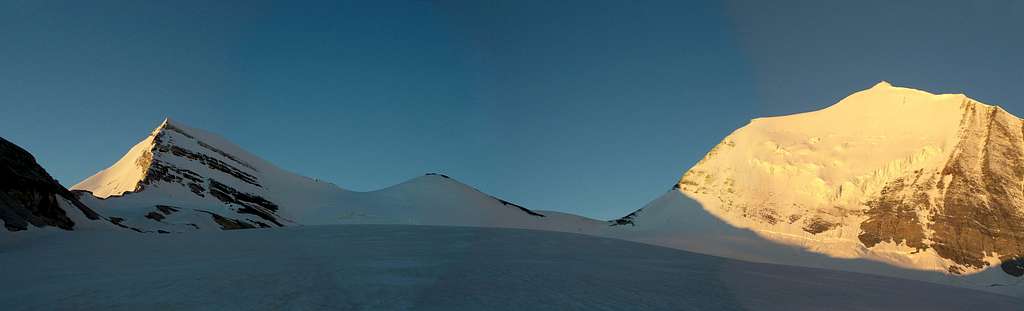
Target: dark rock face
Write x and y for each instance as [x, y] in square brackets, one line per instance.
[160, 169]
[981, 214]
[1014, 267]
[893, 216]
[525, 210]
[28, 195]
[227, 223]
[225, 154]
[979, 209]
[817, 224]
[251, 203]
[162, 146]
[769, 216]
[438, 174]
[155, 216]
[212, 163]
[167, 210]
[171, 127]
[626, 220]
[161, 212]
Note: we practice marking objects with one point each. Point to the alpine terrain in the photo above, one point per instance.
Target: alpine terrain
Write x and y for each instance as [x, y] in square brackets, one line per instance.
[889, 181]
[180, 179]
[890, 174]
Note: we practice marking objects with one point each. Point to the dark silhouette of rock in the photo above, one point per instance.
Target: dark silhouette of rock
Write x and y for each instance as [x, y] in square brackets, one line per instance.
[626, 220]
[230, 224]
[29, 196]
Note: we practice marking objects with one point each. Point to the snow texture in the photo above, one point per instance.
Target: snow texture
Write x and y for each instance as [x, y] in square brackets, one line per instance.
[396, 267]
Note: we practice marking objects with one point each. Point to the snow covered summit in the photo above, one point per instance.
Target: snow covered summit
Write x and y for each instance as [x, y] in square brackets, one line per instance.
[181, 178]
[898, 175]
[176, 153]
[180, 166]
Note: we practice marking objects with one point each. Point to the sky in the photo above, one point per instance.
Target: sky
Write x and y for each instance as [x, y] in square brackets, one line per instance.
[588, 107]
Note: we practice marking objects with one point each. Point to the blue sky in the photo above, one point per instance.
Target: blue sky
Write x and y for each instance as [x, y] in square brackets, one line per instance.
[589, 107]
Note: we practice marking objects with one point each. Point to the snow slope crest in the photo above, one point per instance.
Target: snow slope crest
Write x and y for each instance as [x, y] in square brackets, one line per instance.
[894, 174]
[181, 178]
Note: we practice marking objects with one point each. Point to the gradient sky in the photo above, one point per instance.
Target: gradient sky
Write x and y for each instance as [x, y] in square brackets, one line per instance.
[589, 107]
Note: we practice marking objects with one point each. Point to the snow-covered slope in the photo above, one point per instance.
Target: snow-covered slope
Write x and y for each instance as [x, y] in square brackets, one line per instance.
[890, 174]
[889, 181]
[675, 220]
[181, 178]
[29, 196]
[437, 199]
[394, 267]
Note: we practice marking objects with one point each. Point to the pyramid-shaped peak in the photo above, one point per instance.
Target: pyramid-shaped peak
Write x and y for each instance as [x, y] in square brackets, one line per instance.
[167, 124]
[882, 84]
[163, 124]
[174, 152]
[170, 124]
[190, 133]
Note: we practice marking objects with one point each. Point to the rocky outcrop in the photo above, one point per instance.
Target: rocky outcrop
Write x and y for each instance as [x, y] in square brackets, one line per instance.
[249, 203]
[893, 216]
[29, 196]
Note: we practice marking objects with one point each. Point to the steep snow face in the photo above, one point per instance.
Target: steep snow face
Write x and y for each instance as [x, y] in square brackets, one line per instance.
[181, 178]
[893, 174]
